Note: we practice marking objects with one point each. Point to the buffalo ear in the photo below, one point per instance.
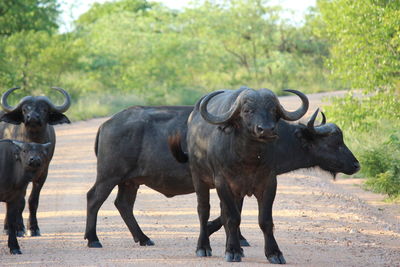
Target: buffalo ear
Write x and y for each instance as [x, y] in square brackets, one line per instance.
[47, 147]
[58, 118]
[14, 117]
[18, 147]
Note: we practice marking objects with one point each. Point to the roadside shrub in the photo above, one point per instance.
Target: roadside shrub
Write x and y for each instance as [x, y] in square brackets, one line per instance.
[382, 166]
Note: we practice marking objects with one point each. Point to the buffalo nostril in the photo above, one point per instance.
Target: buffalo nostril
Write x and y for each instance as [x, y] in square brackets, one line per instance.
[260, 129]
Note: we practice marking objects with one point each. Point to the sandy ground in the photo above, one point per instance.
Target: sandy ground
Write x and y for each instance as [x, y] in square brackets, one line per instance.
[318, 221]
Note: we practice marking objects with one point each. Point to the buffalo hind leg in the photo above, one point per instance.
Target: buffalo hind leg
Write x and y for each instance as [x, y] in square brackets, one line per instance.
[271, 249]
[95, 198]
[216, 224]
[203, 210]
[124, 202]
[230, 215]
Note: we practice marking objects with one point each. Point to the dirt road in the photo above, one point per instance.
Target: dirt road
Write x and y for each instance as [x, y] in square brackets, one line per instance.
[318, 222]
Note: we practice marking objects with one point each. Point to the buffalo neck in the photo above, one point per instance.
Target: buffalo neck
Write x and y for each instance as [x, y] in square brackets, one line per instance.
[36, 134]
[289, 154]
[249, 150]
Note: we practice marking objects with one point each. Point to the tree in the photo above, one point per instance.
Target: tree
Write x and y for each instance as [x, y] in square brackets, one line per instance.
[366, 40]
[25, 15]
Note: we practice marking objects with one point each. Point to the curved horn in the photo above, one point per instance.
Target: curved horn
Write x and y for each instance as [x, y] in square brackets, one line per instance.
[214, 119]
[323, 118]
[297, 114]
[322, 129]
[6, 107]
[67, 103]
[310, 123]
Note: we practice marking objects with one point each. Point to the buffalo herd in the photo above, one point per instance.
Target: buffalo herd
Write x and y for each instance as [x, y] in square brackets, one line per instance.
[236, 141]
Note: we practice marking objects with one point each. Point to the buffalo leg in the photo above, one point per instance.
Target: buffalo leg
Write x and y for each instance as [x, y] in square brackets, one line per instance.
[33, 227]
[95, 198]
[230, 215]
[124, 202]
[216, 224]
[203, 210]
[271, 249]
[19, 221]
[12, 211]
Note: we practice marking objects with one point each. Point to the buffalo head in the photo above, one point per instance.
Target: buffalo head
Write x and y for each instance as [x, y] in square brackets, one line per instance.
[35, 111]
[257, 111]
[325, 143]
[32, 155]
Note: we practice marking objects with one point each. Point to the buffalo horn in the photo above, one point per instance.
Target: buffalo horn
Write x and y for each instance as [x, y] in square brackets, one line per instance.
[322, 129]
[297, 114]
[67, 103]
[6, 107]
[221, 119]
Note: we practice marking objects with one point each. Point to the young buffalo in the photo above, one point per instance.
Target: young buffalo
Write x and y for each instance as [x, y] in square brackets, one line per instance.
[20, 163]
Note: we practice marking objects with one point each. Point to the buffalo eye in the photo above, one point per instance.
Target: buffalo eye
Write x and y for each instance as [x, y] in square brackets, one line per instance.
[26, 109]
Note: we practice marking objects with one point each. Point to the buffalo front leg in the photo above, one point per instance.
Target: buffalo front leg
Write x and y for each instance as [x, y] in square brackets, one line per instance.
[230, 215]
[203, 210]
[12, 211]
[33, 227]
[216, 224]
[265, 202]
[95, 198]
[124, 202]
[20, 228]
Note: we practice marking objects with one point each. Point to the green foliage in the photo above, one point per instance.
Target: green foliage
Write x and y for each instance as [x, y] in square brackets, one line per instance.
[382, 166]
[366, 41]
[26, 15]
[34, 60]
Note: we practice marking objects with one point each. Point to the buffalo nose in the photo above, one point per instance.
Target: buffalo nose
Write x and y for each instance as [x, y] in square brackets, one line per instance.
[34, 161]
[259, 129]
[357, 165]
[265, 130]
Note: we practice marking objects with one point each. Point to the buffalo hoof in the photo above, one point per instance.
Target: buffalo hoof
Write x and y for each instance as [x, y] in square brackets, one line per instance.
[244, 243]
[148, 242]
[203, 252]
[276, 259]
[94, 244]
[15, 251]
[233, 257]
[35, 232]
[21, 233]
[242, 252]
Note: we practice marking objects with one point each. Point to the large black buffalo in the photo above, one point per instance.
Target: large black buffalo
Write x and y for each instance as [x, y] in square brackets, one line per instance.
[31, 120]
[137, 137]
[20, 163]
[232, 160]
[132, 149]
[298, 146]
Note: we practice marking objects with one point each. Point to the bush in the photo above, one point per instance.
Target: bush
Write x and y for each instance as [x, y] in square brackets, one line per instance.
[382, 166]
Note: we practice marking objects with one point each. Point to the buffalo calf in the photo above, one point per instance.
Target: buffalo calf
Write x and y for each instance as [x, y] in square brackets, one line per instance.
[20, 163]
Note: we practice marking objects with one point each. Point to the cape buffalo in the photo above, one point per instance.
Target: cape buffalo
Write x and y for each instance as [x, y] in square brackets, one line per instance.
[231, 160]
[299, 146]
[137, 137]
[20, 163]
[31, 121]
